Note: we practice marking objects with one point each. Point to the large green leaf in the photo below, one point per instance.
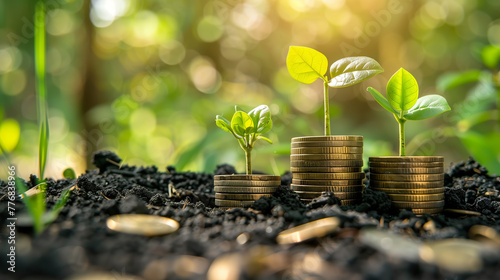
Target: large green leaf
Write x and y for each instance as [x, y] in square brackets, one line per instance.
[261, 117]
[426, 107]
[453, 80]
[306, 65]
[352, 70]
[242, 124]
[381, 100]
[484, 148]
[402, 90]
[491, 56]
[223, 123]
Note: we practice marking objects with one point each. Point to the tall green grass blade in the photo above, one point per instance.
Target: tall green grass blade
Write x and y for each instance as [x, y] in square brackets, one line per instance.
[41, 86]
[35, 205]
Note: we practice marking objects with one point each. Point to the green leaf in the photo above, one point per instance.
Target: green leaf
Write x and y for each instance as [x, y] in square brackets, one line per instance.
[265, 138]
[241, 123]
[69, 173]
[261, 117]
[352, 70]
[484, 148]
[491, 56]
[402, 90]
[453, 80]
[306, 65]
[426, 107]
[381, 100]
[223, 123]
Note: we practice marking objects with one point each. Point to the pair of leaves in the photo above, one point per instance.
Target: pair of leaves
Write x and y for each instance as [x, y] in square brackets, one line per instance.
[402, 99]
[306, 65]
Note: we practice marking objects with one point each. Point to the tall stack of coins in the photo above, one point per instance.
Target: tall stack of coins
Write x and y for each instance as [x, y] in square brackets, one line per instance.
[243, 190]
[328, 163]
[414, 183]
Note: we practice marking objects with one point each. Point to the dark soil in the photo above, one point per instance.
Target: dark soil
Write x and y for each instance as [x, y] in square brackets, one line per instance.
[242, 241]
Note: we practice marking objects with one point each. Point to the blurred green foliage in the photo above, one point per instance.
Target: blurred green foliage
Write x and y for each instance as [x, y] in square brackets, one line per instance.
[145, 78]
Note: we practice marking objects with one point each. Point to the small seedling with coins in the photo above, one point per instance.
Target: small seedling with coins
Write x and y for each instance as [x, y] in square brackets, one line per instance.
[247, 128]
[403, 102]
[306, 65]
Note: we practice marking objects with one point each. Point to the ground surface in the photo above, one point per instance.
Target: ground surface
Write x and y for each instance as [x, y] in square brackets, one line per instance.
[242, 242]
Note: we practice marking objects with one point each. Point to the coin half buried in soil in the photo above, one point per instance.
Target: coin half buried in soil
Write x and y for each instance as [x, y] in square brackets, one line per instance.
[418, 205]
[315, 229]
[327, 182]
[406, 164]
[234, 203]
[406, 177]
[325, 169]
[304, 144]
[328, 138]
[326, 163]
[383, 170]
[407, 159]
[462, 212]
[417, 197]
[326, 157]
[340, 195]
[327, 150]
[255, 190]
[406, 185]
[343, 202]
[312, 188]
[330, 176]
[254, 177]
[409, 191]
[243, 196]
[243, 183]
[147, 225]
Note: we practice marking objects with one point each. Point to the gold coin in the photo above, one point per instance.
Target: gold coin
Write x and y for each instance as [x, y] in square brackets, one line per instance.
[462, 212]
[243, 183]
[406, 185]
[418, 205]
[326, 163]
[327, 144]
[417, 211]
[380, 170]
[341, 195]
[147, 225]
[406, 164]
[344, 202]
[254, 177]
[330, 176]
[242, 196]
[315, 229]
[407, 159]
[326, 157]
[457, 256]
[407, 177]
[243, 189]
[327, 150]
[312, 188]
[234, 203]
[409, 191]
[327, 182]
[325, 169]
[417, 197]
[328, 138]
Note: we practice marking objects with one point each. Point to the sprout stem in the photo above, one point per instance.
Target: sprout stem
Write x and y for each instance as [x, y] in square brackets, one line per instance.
[327, 110]
[402, 151]
[248, 157]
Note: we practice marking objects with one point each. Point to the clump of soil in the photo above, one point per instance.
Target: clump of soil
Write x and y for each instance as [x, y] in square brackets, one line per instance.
[78, 241]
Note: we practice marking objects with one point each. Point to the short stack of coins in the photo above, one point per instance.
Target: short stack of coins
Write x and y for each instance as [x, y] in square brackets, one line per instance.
[413, 183]
[328, 163]
[243, 190]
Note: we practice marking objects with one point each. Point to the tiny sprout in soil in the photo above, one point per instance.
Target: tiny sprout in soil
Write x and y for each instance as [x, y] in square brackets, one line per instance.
[306, 65]
[402, 100]
[247, 129]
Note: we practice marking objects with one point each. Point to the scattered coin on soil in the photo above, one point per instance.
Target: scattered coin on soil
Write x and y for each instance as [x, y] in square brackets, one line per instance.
[406, 185]
[326, 163]
[409, 191]
[147, 225]
[328, 138]
[407, 177]
[314, 229]
[327, 150]
[462, 212]
[325, 169]
[246, 196]
[418, 197]
[327, 144]
[383, 170]
[407, 159]
[243, 183]
[327, 182]
[243, 189]
[313, 188]
[326, 157]
[418, 205]
[330, 176]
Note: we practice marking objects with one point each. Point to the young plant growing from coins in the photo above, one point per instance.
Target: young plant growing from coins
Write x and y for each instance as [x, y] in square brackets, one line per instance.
[306, 65]
[247, 128]
[403, 102]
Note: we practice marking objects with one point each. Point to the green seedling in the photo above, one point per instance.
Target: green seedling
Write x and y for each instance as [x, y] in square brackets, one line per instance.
[247, 129]
[402, 101]
[69, 173]
[306, 65]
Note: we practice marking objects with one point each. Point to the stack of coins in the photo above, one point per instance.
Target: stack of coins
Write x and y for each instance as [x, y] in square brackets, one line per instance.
[413, 183]
[243, 190]
[328, 163]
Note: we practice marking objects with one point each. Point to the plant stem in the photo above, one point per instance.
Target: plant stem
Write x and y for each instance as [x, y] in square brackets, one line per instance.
[248, 157]
[402, 151]
[327, 109]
